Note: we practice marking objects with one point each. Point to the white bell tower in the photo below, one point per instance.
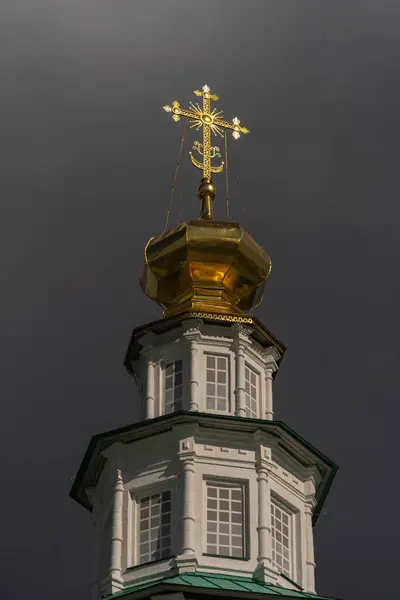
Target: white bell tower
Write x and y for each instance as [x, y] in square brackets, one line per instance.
[207, 494]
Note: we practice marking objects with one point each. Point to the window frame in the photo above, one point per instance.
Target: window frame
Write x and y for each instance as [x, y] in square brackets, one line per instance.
[228, 401]
[164, 386]
[292, 519]
[136, 499]
[258, 399]
[227, 483]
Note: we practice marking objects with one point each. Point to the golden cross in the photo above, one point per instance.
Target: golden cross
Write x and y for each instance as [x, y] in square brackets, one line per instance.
[210, 121]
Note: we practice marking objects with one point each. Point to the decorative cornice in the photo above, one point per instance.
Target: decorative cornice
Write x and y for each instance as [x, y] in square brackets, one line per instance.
[270, 352]
[220, 317]
[192, 329]
[187, 448]
[259, 333]
[93, 462]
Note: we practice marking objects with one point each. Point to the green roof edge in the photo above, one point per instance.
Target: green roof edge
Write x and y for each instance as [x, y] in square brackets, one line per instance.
[113, 432]
[240, 578]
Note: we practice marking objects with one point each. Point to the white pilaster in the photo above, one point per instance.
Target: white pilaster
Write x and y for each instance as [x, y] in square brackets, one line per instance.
[269, 413]
[189, 499]
[150, 390]
[265, 570]
[240, 381]
[310, 562]
[270, 368]
[116, 536]
[193, 335]
[241, 342]
[194, 376]
[264, 517]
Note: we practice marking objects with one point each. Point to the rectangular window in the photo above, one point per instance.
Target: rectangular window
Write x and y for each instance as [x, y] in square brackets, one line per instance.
[251, 392]
[225, 520]
[217, 383]
[155, 527]
[173, 387]
[281, 522]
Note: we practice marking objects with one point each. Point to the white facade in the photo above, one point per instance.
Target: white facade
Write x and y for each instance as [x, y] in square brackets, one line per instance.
[205, 492]
[182, 463]
[194, 347]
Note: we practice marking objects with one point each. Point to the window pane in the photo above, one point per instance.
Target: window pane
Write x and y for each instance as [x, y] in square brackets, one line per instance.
[166, 506]
[173, 387]
[210, 402]
[236, 518]
[224, 539]
[221, 390]
[221, 404]
[217, 369]
[210, 376]
[281, 538]
[221, 377]
[251, 394]
[212, 492]
[225, 524]
[155, 541]
[221, 363]
[210, 389]
[237, 529]
[237, 541]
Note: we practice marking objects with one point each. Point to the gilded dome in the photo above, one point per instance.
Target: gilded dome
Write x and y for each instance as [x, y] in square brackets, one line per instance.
[206, 266]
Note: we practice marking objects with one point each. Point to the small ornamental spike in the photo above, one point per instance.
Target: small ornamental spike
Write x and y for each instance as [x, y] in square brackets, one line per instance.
[211, 121]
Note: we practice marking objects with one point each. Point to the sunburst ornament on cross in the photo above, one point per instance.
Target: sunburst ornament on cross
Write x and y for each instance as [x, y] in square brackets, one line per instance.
[211, 121]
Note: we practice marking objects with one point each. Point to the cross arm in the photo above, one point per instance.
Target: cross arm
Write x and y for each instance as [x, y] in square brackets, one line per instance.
[177, 112]
[228, 125]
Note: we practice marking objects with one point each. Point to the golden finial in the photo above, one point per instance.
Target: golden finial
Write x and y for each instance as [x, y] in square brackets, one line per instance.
[210, 121]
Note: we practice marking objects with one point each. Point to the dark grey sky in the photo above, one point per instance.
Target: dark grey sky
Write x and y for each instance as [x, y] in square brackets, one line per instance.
[87, 159]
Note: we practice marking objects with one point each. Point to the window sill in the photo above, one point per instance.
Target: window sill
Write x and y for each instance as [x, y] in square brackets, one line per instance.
[147, 564]
[246, 558]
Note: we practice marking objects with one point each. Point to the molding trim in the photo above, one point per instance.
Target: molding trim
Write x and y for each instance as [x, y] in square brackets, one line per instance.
[220, 317]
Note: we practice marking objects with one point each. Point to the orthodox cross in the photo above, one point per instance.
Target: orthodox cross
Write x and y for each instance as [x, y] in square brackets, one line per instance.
[210, 121]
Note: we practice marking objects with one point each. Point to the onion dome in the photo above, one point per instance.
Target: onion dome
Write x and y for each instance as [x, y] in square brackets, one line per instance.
[205, 265]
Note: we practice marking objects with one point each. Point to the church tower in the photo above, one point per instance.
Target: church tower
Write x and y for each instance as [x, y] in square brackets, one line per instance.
[208, 494]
